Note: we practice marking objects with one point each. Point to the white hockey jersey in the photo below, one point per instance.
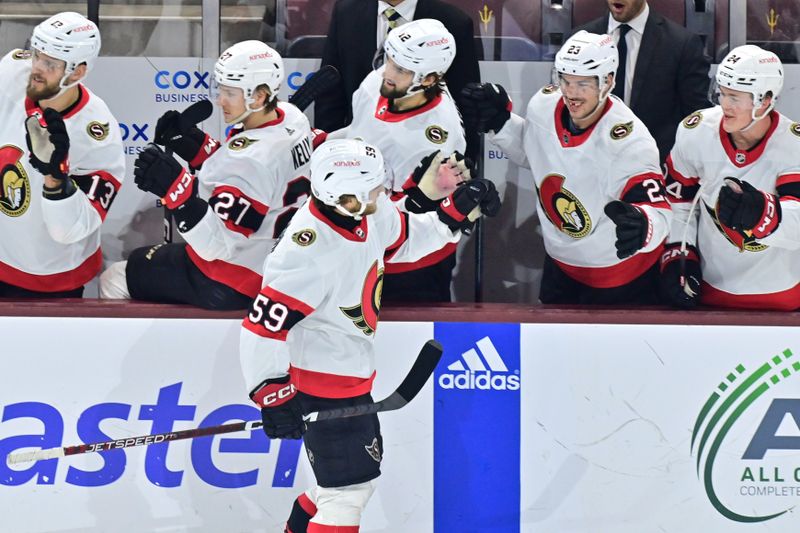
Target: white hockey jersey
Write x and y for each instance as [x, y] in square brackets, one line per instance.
[253, 184]
[54, 245]
[317, 312]
[403, 138]
[577, 175]
[738, 269]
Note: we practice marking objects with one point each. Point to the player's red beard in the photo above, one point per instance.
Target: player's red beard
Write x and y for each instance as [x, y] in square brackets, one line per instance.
[45, 92]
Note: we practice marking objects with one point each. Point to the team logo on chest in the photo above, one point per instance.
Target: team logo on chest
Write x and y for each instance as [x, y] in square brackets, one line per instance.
[692, 120]
[240, 143]
[365, 314]
[436, 134]
[21, 54]
[563, 208]
[621, 130]
[97, 131]
[15, 197]
[743, 240]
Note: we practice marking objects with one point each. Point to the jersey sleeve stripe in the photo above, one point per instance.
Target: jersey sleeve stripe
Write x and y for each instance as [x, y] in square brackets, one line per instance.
[787, 179]
[289, 301]
[259, 207]
[272, 314]
[403, 237]
[677, 176]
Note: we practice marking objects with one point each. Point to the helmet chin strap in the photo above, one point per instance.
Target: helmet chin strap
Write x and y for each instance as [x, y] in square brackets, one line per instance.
[248, 101]
[754, 119]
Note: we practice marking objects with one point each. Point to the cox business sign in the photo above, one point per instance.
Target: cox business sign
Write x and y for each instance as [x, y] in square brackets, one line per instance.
[162, 412]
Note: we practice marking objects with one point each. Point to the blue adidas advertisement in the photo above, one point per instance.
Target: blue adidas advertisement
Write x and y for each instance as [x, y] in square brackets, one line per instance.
[476, 428]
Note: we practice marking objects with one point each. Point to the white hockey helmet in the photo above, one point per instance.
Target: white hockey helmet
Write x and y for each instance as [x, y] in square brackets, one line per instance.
[248, 65]
[752, 70]
[423, 46]
[70, 37]
[346, 166]
[588, 54]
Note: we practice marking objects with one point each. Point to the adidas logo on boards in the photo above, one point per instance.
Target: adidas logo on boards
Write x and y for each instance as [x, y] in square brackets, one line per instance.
[476, 375]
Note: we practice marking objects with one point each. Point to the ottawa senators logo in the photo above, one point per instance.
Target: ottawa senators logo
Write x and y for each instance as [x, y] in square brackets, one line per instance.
[365, 315]
[436, 134]
[21, 54]
[240, 143]
[621, 130]
[795, 128]
[692, 120]
[563, 208]
[549, 88]
[15, 197]
[305, 237]
[97, 131]
[743, 240]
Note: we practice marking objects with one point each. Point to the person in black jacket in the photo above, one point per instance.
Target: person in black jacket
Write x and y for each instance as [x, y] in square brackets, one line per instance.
[358, 29]
[665, 76]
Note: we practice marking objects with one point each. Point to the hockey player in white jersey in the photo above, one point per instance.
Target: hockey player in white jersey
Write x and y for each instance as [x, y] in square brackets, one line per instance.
[244, 193]
[738, 162]
[61, 162]
[307, 342]
[405, 109]
[602, 208]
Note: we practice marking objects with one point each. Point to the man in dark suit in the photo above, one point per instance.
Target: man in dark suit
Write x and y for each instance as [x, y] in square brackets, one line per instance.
[663, 71]
[357, 31]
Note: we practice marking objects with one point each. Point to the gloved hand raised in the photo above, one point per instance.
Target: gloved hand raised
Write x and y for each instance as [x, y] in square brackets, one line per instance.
[742, 207]
[178, 132]
[48, 145]
[436, 177]
[468, 202]
[160, 174]
[485, 106]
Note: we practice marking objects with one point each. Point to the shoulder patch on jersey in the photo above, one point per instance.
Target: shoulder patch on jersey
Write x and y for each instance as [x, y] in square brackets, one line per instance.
[21, 54]
[436, 134]
[692, 120]
[240, 143]
[304, 237]
[97, 131]
[15, 197]
[621, 130]
[795, 128]
[549, 88]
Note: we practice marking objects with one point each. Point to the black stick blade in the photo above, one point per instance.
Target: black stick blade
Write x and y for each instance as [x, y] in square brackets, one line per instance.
[197, 112]
[322, 81]
[423, 367]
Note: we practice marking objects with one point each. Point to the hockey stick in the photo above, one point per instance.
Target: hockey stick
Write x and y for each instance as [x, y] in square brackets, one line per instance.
[322, 80]
[194, 114]
[420, 371]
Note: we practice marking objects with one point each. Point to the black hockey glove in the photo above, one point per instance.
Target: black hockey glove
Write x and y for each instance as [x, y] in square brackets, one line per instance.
[280, 409]
[680, 276]
[484, 106]
[435, 177]
[742, 207]
[470, 200]
[48, 146]
[178, 133]
[160, 174]
[633, 227]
